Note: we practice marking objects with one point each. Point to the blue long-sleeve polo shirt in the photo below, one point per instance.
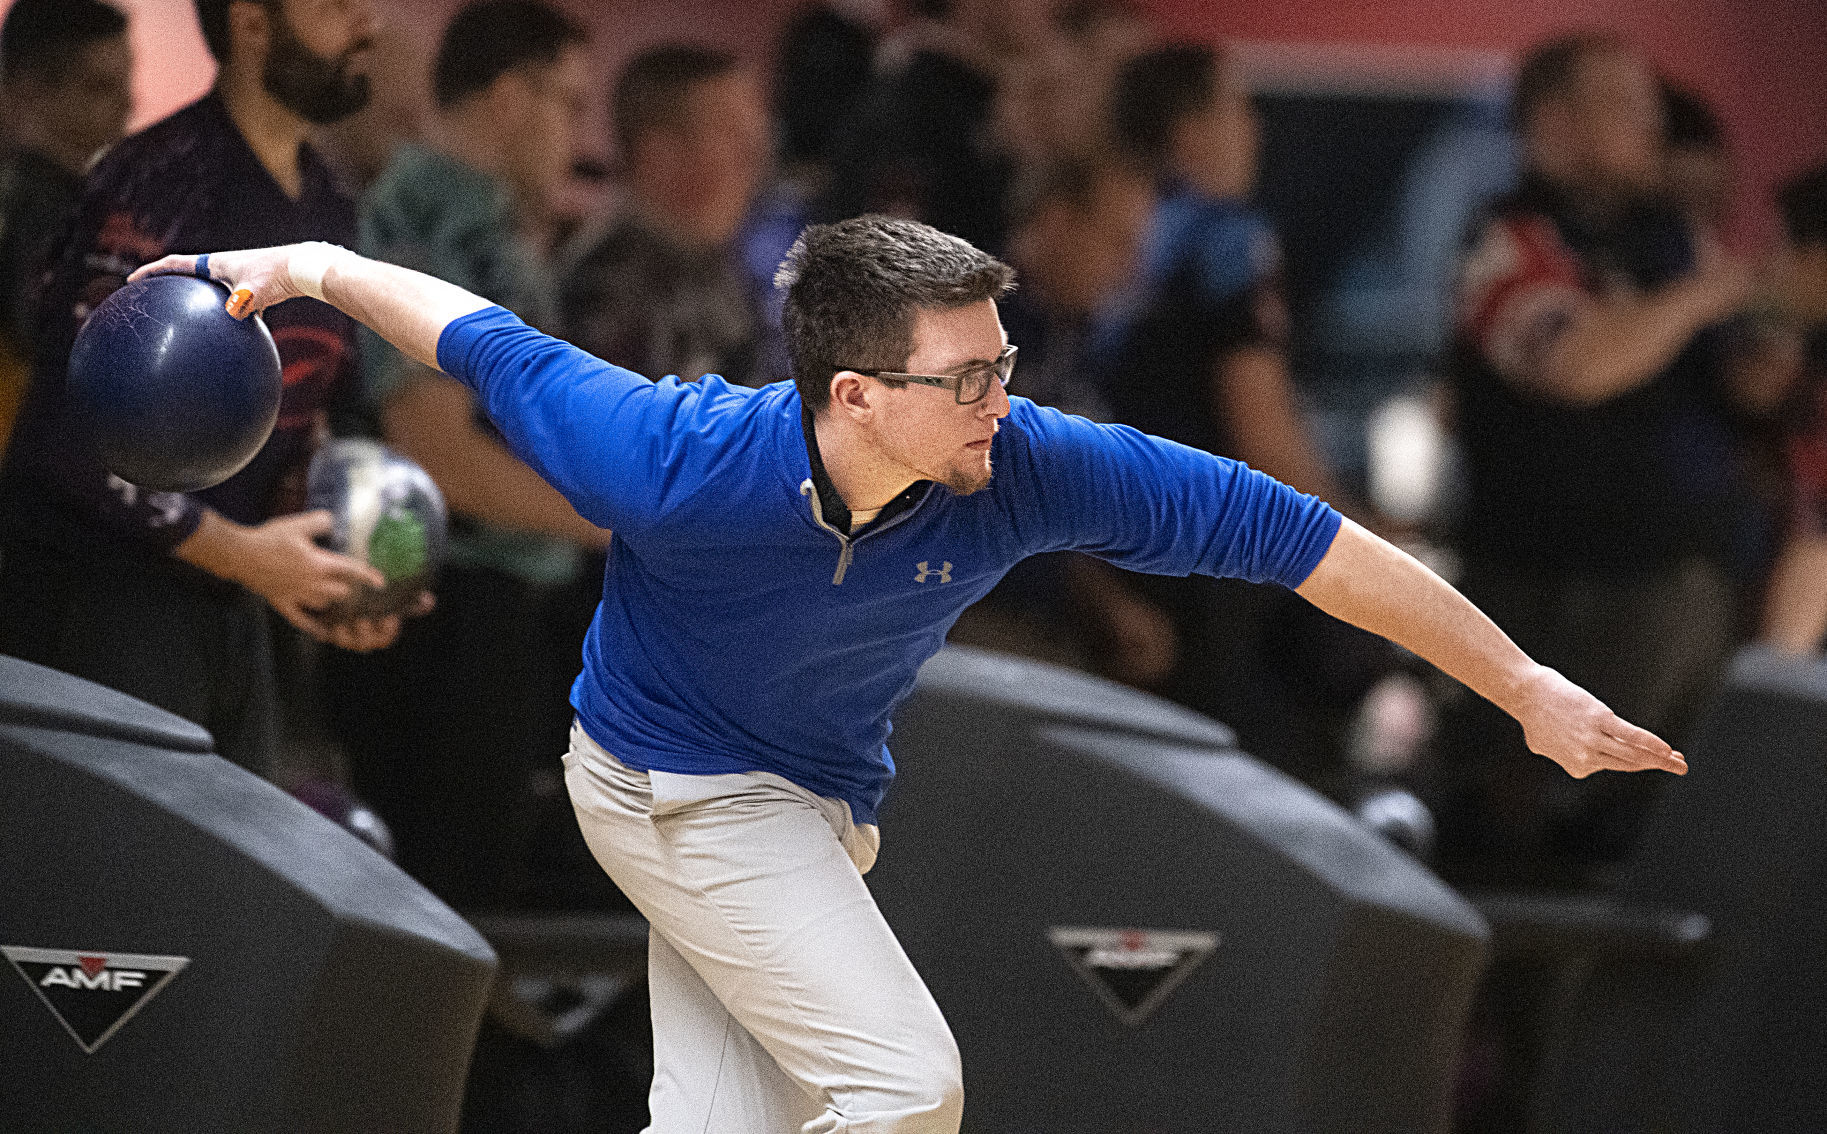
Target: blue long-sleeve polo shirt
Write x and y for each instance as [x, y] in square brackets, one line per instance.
[739, 632]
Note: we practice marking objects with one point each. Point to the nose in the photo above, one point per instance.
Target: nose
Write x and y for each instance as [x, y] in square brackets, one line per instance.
[369, 23]
[996, 402]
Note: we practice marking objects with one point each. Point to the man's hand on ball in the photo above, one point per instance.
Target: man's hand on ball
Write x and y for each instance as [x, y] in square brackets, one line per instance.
[257, 278]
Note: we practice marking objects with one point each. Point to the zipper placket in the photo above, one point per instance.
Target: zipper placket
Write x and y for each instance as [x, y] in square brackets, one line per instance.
[847, 543]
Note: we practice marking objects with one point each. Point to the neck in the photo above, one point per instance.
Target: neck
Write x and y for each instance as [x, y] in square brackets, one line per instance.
[274, 133]
[464, 133]
[862, 476]
[651, 203]
[469, 134]
[30, 134]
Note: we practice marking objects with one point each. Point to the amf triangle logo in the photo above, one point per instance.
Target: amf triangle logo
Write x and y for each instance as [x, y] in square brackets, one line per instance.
[93, 994]
[1133, 970]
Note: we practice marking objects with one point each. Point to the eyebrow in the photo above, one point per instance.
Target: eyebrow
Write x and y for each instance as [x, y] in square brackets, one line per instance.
[971, 362]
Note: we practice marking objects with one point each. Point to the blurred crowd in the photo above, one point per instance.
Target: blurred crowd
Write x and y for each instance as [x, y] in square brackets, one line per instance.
[1640, 414]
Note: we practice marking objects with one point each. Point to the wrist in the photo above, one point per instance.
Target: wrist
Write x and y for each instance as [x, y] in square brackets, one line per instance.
[1522, 687]
[218, 546]
[310, 262]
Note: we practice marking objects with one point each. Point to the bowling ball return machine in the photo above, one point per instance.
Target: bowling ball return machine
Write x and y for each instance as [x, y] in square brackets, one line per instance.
[188, 948]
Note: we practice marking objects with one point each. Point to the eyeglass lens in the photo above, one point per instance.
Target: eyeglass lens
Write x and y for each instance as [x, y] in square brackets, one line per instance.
[974, 384]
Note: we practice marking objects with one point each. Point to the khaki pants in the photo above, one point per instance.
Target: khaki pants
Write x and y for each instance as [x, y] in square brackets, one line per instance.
[781, 1000]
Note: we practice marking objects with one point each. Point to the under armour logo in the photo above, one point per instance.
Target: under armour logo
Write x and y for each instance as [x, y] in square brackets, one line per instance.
[925, 568]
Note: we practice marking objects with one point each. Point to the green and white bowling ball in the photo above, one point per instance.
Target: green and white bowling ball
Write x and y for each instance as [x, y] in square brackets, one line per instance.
[388, 513]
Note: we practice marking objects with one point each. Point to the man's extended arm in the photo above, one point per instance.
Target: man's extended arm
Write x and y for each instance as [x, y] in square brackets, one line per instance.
[592, 431]
[409, 309]
[1374, 585]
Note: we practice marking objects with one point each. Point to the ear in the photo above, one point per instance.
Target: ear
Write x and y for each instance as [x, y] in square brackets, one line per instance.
[850, 394]
[250, 29]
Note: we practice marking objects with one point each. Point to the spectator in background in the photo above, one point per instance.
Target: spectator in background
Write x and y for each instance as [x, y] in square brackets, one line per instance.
[825, 59]
[1201, 347]
[930, 142]
[449, 734]
[65, 70]
[1594, 393]
[1076, 238]
[1057, 97]
[1699, 166]
[658, 285]
[1078, 228]
[164, 595]
[1795, 611]
[1197, 352]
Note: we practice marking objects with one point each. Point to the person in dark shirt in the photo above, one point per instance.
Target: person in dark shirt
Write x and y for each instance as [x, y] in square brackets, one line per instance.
[65, 67]
[658, 284]
[1595, 389]
[1076, 237]
[927, 142]
[1795, 608]
[1197, 352]
[162, 595]
[1209, 302]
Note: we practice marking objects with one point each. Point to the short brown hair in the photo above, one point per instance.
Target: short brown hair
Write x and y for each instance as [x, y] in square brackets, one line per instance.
[653, 85]
[853, 288]
[1549, 70]
[488, 38]
[1155, 92]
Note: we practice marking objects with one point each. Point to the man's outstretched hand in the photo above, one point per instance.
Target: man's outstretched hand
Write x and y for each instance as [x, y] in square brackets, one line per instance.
[409, 309]
[1375, 585]
[1575, 730]
[256, 278]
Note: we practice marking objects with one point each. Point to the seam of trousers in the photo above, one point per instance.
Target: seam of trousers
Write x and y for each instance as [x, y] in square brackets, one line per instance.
[723, 1054]
[761, 969]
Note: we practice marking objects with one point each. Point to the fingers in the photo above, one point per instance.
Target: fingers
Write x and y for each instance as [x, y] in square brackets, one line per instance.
[302, 619]
[313, 524]
[1630, 758]
[1608, 753]
[365, 634]
[1644, 747]
[1636, 737]
[360, 635]
[324, 590]
[167, 266]
[350, 570]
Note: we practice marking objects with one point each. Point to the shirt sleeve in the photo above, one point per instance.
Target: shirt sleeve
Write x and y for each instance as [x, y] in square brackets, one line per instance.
[1518, 289]
[1153, 505]
[623, 450]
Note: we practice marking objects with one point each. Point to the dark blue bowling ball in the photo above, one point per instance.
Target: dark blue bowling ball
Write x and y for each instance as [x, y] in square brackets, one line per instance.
[177, 394]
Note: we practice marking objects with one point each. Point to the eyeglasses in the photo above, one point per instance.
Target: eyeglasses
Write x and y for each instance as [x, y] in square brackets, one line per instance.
[968, 386]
